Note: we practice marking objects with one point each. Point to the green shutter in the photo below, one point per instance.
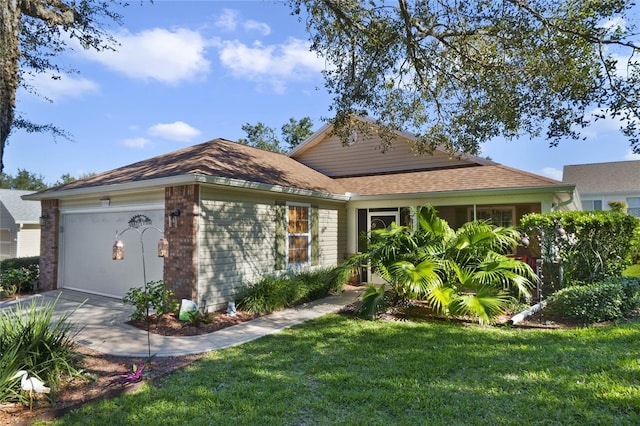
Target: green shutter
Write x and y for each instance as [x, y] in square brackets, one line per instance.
[281, 235]
[315, 236]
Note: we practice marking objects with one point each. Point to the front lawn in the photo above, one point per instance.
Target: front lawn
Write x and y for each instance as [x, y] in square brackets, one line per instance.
[336, 370]
[632, 271]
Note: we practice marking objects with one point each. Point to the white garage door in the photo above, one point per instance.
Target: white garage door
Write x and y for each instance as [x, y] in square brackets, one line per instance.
[86, 244]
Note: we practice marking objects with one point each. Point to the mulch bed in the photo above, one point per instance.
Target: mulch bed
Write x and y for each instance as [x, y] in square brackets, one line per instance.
[170, 325]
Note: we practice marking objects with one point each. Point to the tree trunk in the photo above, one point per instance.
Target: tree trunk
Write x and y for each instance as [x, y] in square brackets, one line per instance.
[9, 65]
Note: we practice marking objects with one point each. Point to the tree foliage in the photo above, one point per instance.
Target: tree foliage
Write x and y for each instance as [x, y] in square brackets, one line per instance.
[32, 34]
[296, 131]
[260, 136]
[461, 72]
[30, 181]
[264, 137]
[24, 180]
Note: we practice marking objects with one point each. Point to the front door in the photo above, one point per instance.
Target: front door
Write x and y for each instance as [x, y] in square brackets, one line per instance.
[381, 220]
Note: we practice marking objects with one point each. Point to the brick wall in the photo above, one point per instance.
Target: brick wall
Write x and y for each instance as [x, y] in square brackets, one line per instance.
[49, 245]
[180, 268]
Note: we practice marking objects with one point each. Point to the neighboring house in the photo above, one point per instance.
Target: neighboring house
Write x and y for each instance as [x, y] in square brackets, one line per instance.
[232, 213]
[19, 225]
[599, 183]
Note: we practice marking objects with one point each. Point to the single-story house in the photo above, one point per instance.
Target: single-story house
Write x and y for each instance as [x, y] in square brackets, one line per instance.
[597, 184]
[233, 213]
[19, 225]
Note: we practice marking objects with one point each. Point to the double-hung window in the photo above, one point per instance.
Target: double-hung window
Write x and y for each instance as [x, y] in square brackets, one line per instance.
[298, 234]
[498, 216]
[633, 208]
[591, 205]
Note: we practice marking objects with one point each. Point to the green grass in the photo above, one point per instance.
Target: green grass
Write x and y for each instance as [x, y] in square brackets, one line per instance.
[632, 271]
[337, 370]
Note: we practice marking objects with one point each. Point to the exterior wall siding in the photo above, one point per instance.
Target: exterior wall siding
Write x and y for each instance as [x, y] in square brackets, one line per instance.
[606, 198]
[28, 241]
[329, 238]
[334, 159]
[7, 244]
[237, 242]
[236, 247]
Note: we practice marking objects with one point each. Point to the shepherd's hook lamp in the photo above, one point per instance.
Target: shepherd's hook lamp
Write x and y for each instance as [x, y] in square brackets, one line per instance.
[163, 251]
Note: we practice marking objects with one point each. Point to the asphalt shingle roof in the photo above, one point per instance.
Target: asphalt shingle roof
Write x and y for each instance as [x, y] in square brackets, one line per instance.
[454, 179]
[226, 159]
[617, 176]
[21, 210]
[218, 158]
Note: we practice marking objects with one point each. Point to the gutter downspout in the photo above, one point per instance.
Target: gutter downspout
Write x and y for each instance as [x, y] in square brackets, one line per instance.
[564, 203]
[524, 314]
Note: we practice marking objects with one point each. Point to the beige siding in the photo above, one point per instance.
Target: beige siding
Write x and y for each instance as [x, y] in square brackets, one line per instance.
[236, 247]
[365, 157]
[237, 243]
[29, 241]
[112, 202]
[7, 244]
[328, 237]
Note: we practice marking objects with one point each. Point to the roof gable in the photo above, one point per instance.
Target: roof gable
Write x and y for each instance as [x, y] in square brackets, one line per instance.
[325, 152]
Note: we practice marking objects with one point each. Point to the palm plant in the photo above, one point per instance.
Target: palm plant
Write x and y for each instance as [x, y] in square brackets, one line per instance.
[465, 272]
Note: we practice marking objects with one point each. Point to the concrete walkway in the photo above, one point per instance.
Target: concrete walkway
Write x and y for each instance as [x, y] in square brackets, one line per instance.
[101, 324]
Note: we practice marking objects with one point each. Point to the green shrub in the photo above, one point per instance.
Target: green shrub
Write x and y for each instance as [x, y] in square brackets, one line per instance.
[196, 318]
[155, 297]
[373, 302]
[322, 282]
[631, 294]
[31, 340]
[598, 244]
[274, 293]
[19, 262]
[269, 294]
[18, 275]
[604, 301]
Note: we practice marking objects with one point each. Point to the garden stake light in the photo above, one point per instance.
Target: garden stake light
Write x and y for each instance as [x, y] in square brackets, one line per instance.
[141, 224]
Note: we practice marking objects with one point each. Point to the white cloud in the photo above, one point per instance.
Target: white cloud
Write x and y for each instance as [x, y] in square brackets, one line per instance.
[600, 127]
[259, 27]
[273, 64]
[136, 142]
[614, 24]
[631, 156]
[157, 54]
[552, 173]
[60, 86]
[228, 20]
[176, 131]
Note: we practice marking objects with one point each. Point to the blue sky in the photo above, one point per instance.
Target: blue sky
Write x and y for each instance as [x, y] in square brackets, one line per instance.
[190, 71]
